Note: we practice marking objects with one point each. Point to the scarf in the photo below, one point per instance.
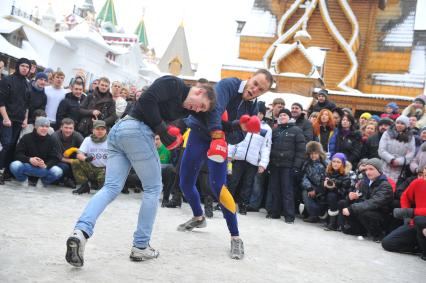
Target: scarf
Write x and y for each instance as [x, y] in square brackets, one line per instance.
[98, 140]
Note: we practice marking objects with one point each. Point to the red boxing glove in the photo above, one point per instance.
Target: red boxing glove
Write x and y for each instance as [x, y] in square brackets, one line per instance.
[218, 151]
[175, 132]
[224, 117]
[250, 124]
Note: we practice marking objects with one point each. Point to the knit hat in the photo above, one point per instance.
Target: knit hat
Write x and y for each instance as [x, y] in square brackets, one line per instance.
[98, 124]
[22, 61]
[323, 92]
[404, 119]
[393, 105]
[376, 163]
[347, 110]
[365, 115]
[41, 75]
[298, 105]
[41, 121]
[422, 129]
[375, 118]
[286, 111]
[421, 98]
[48, 70]
[386, 121]
[340, 156]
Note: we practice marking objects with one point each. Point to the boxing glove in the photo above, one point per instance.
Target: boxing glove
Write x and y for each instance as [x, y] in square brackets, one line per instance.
[218, 151]
[250, 124]
[169, 135]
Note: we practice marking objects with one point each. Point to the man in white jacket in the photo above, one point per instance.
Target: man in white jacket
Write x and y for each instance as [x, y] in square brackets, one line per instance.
[249, 157]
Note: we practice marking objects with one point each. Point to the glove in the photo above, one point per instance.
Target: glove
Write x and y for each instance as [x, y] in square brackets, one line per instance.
[401, 213]
[224, 117]
[169, 136]
[218, 151]
[251, 124]
[175, 132]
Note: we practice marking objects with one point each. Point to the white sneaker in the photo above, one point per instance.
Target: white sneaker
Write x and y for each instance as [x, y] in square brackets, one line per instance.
[147, 253]
[237, 249]
[75, 248]
[301, 208]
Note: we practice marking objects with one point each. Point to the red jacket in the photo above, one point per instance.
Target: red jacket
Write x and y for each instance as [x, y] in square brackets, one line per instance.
[415, 196]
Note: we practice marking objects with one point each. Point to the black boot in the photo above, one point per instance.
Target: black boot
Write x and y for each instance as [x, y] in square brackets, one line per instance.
[137, 190]
[173, 203]
[69, 183]
[84, 188]
[208, 207]
[242, 209]
[332, 224]
[125, 190]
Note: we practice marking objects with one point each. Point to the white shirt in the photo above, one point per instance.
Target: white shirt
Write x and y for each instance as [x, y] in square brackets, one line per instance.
[98, 150]
[54, 97]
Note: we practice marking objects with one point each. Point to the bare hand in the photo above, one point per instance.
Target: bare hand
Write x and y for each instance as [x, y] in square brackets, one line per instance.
[24, 123]
[353, 196]
[260, 170]
[7, 123]
[346, 212]
[96, 113]
[311, 194]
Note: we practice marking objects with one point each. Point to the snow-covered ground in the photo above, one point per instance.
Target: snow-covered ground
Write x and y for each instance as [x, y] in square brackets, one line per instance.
[35, 223]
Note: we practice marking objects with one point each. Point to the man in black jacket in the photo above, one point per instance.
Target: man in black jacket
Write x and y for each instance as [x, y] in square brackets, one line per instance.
[322, 102]
[369, 208]
[131, 144]
[69, 107]
[287, 155]
[38, 98]
[371, 147]
[36, 155]
[14, 104]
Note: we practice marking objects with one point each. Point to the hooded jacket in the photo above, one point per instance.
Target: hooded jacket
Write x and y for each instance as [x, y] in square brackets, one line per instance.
[15, 93]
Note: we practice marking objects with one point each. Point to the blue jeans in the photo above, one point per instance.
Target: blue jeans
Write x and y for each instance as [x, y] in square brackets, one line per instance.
[21, 171]
[315, 206]
[8, 138]
[258, 192]
[130, 143]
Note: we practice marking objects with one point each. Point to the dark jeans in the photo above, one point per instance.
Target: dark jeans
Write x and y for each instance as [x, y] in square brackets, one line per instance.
[406, 238]
[259, 189]
[242, 178]
[315, 206]
[281, 184]
[66, 168]
[8, 138]
[168, 176]
[204, 186]
[332, 199]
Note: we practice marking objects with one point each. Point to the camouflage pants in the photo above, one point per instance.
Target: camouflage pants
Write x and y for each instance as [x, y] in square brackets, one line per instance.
[85, 171]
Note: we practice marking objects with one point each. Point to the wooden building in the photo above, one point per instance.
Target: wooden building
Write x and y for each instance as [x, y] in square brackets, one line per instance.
[365, 52]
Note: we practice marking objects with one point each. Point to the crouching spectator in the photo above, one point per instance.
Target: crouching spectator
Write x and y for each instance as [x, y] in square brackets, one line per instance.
[91, 160]
[313, 175]
[368, 209]
[37, 156]
[411, 236]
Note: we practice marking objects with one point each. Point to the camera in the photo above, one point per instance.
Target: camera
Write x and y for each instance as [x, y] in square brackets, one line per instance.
[330, 182]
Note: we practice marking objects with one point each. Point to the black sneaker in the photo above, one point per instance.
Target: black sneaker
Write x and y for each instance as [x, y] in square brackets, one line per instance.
[85, 188]
[32, 181]
[311, 219]
[137, 190]
[289, 220]
[271, 216]
[208, 209]
[69, 183]
[251, 209]
[125, 191]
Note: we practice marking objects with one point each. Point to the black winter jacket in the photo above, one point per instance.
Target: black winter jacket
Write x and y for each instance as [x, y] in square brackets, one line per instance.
[306, 127]
[38, 100]
[69, 107]
[370, 148]
[34, 145]
[350, 145]
[15, 96]
[288, 146]
[378, 197]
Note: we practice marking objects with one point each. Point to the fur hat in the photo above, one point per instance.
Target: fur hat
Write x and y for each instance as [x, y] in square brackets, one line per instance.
[421, 98]
[41, 121]
[376, 163]
[404, 119]
[340, 156]
[286, 111]
[314, 146]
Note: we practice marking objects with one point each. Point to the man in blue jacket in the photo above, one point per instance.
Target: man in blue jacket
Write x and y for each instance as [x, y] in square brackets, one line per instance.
[206, 143]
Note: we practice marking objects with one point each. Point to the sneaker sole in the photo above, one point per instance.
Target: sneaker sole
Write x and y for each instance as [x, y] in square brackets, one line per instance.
[72, 256]
[142, 258]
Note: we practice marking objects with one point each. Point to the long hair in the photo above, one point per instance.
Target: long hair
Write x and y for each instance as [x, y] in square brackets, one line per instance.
[317, 123]
[330, 170]
[351, 118]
